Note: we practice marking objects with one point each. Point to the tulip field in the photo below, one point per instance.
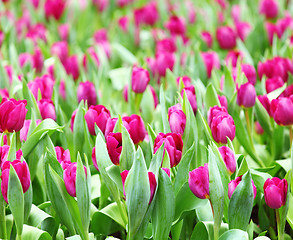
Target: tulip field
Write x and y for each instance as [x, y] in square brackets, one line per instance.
[146, 119]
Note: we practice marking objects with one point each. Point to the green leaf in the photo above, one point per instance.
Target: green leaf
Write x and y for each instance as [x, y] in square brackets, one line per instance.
[163, 212]
[211, 97]
[119, 77]
[263, 117]
[33, 233]
[234, 234]
[137, 189]
[147, 106]
[32, 106]
[157, 160]
[124, 53]
[204, 126]
[114, 173]
[199, 232]
[128, 150]
[78, 129]
[229, 85]
[12, 149]
[164, 111]
[241, 204]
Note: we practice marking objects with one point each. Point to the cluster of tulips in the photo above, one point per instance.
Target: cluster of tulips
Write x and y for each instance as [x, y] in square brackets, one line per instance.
[124, 119]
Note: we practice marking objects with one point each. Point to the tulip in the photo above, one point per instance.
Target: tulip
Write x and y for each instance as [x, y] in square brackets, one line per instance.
[232, 58]
[22, 171]
[101, 5]
[60, 49]
[86, 91]
[214, 111]
[282, 111]
[97, 115]
[123, 3]
[177, 119]
[176, 25]
[62, 155]
[173, 145]
[246, 95]
[4, 93]
[147, 15]
[236, 13]
[164, 61]
[258, 128]
[275, 192]
[44, 84]
[273, 84]
[24, 130]
[226, 37]
[37, 32]
[185, 79]
[223, 101]
[72, 120]
[24, 59]
[234, 183]
[198, 181]
[211, 60]
[190, 93]
[114, 146]
[125, 93]
[139, 80]
[283, 24]
[93, 55]
[47, 109]
[63, 30]
[62, 90]
[101, 39]
[9, 72]
[54, 8]
[4, 150]
[249, 72]
[272, 30]
[71, 66]
[94, 160]
[135, 126]
[38, 60]
[12, 115]
[223, 126]
[152, 181]
[123, 23]
[269, 8]
[229, 158]
[243, 29]
[207, 38]
[167, 170]
[166, 45]
[264, 100]
[110, 125]
[69, 176]
[155, 97]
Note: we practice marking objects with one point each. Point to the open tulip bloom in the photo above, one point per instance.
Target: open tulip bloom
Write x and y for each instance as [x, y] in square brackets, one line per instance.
[146, 119]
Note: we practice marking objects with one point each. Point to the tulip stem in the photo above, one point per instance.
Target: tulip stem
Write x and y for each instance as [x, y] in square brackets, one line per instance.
[8, 139]
[280, 230]
[18, 237]
[291, 135]
[248, 126]
[2, 218]
[122, 212]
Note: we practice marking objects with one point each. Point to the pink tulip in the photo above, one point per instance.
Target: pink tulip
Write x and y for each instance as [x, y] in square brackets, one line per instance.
[269, 8]
[44, 84]
[207, 38]
[211, 61]
[273, 84]
[62, 155]
[246, 95]
[86, 91]
[114, 146]
[222, 126]
[226, 37]
[176, 25]
[47, 109]
[94, 160]
[275, 192]
[229, 158]
[190, 93]
[135, 126]
[199, 182]
[24, 130]
[249, 72]
[54, 8]
[139, 79]
[234, 183]
[282, 111]
[177, 119]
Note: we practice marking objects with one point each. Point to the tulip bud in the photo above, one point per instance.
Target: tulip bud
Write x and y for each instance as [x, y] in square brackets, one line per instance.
[110, 125]
[72, 120]
[164, 61]
[62, 155]
[125, 93]
[173, 145]
[232, 58]
[223, 101]
[4, 150]
[190, 93]
[282, 111]
[223, 126]
[152, 181]
[273, 84]
[258, 128]
[246, 95]
[71, 66]
[54, 8]
[207, 38]
[211, 60]
[135, 126]
[275, 192]
[249, 72]
[226, 37]
[147, 14]
[38, 60]
[176, 25]
[185, 79]
[93, 55]
[22, 171]
[24, 130]
[243, 29]
[156, 100]
[61, 50]
[264, 100]
[94, 160]
[229, 158]
[44, 84]
[214, 111]
[123, 23]
[69, 176]
[177, 119]
[63, 30]
[269, 8]
[62, 90]
[101, 5]
[199, 182]
[12, 115]
[86, 91]
[114, 146]
[139, 80]
[47, 109]
[97, 115]
[101, 39]
[234, 183]
[166, 45]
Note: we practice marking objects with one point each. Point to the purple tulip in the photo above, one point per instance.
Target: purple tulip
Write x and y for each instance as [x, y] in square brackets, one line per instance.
[44, 84]
[139, 80]
[114, 146]
[97, 115]
[61, 50]
[273, 84]
[199, 182]
[185, 79]
[212, 61]
[86, 91]
[4, 150]
[243, 29]
[147, 15]
[275, 192]
[207, 38]
[72, 120]
[12, 115]
[22, 171]
[269, 8]
[232, 57]
[177, 119]
[214, 111]
[47, 109]
[264, 100]
[176, 25]
[62, 155]
[246, 95]
[93, 55]
[94, 160]
[249, 72]
[226, 37]
[38, 60]
[229, 158]
[110, 125]
[282, 111]
[223, 126]
[135, 126]
[234, 183]
[71, 66]
[24, 130]
[166, 45]
[164, 61]
[223, 101]
[156, 100]
[258, 128]
[190, 93]
[54, 8]
[69, 176]
[173, 145]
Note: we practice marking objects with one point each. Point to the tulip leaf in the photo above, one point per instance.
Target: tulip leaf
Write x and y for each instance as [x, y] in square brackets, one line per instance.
[32, 106]
[156, 161]
[33, 233]
[229, 84]
[47, 126]
[12, 149]
[234, 234]
[164, 111]
[147, 105]
[152, 136]
[216, 191]
[114, 173]
[16, 199]
[28, 198]
[211, 97]
[124, 53]
[241, 204]
[128, 150]
[204, 126]
[137, 189]
[199, 232]
[78, 130]
[163, 212]
[263, 117]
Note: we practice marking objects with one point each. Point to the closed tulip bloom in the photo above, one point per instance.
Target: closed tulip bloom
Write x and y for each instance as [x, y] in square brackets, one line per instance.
[22, 171]
[273, 84]
[246, 95]
[275, 192]
[234, 183]
[24, 130]
[110, 125]
[223, 126]
[4, 93]
[166, 45]
[54, 8]
[177, 119]
[60, 49]
[140, 79]
[69, 176]
[135, 126]
[226, 37]
[47, 109]
[63, 30]
[190, 93]
[176, 25]
[214, 111]
[86, 91]
[229, 158]
[4, 150]
[282, 111]
[164, 61]
[185, 79]
[232, 57]
[264, 100]
[223, 101]
[101, 5]
[62, 155]
[94, 160]
[243, 29]
[212, 61]
[71, 66]
[12, 115]
[258, 128]
[114, 146]
[249, 72]
[156, 100]
[173, 145]
[152, 181]
[97, 115]
[199, 182]
[147, 15]
[207, 38]
[93, 55]
[123, 23]
[44, 84]
[269, 8]
[38, 60]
